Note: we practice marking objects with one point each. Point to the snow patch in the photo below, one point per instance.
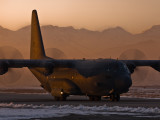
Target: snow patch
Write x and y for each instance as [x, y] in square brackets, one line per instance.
[11, 111]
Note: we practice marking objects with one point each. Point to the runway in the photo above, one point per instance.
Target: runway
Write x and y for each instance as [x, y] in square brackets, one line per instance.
[41, 106]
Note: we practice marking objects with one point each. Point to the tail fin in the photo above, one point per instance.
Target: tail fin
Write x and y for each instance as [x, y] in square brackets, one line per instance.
[37, 48]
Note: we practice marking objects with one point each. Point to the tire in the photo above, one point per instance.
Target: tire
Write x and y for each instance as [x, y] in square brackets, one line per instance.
[62, 98]
[115, 97]
[94, 98]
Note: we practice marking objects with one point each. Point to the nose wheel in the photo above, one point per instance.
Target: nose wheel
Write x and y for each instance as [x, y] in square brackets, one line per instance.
[62, 98]
[115, 97]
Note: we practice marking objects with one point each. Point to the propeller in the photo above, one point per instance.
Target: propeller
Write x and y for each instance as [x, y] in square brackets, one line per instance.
[140, 73]
[55, 53]
[13, 74]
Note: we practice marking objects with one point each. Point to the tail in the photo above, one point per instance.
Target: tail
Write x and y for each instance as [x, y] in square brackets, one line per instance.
[37, 49]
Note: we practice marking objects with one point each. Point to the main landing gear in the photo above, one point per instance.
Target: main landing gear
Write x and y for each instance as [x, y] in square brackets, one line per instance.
[115, 97]
[62, 98]
[94, 98]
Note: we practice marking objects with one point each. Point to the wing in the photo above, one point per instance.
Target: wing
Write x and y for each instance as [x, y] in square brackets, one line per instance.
[132, 64]
[5, 64]
[47, 64]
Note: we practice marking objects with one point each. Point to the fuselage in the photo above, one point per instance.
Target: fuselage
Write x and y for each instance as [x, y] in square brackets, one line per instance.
[88, 77]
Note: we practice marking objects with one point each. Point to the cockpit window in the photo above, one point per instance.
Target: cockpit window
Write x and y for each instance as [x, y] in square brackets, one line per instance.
[123, 67]
[117, 66]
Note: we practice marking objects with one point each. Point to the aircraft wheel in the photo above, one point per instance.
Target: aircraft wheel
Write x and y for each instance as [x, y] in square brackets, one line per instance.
[115, 97]
[94, 98]
[97, 98]
[62, 98]
[91, 98]
[56, 98]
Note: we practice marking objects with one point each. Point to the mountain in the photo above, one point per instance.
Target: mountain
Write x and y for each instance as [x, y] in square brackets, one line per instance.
[154, 30]
[152, 33]
[68, 42]
[4, 31]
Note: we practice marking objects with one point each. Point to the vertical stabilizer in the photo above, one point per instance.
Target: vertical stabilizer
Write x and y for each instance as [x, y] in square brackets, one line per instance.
[37, 48]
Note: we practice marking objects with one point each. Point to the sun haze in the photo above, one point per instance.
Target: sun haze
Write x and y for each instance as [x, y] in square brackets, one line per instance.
[133, 15]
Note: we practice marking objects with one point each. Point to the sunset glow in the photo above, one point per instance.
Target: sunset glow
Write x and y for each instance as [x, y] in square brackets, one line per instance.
[133, 15]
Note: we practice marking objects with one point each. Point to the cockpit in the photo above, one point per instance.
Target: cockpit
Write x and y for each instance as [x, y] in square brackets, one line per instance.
[93, 68]
[117, 66]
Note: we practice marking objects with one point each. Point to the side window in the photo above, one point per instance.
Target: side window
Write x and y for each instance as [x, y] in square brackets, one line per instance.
[125, 66]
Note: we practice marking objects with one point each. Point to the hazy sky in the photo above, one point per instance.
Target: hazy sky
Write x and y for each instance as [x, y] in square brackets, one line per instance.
[133, 15]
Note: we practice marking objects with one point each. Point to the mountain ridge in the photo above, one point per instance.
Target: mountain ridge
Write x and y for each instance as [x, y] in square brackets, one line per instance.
[117, 28]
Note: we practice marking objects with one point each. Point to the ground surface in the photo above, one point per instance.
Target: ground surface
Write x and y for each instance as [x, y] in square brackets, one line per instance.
[37, 105]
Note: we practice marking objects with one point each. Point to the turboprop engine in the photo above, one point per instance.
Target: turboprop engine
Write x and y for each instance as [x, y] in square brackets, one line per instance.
[3, 68]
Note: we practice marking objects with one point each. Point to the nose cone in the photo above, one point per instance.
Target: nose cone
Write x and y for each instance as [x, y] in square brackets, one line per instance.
[123, 83]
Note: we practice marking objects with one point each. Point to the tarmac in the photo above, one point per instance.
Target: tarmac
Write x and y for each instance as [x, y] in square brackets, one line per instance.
[76, 107]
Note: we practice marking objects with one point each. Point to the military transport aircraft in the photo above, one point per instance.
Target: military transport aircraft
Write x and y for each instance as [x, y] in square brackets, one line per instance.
[91, 77]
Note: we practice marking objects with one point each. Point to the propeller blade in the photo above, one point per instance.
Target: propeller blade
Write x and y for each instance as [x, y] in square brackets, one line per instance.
[133, 54]
[140, 74]
[13, 74]
[55, 53]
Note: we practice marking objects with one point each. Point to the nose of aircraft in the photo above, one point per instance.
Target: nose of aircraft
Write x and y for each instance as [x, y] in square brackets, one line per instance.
[123, 83]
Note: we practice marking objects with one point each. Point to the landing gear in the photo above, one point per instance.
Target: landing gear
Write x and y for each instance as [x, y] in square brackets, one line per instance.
[59, 94]
[94, 98]
[62, 98]
[115, 97]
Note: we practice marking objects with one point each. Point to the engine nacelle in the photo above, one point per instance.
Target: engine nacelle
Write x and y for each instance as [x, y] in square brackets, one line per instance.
[47, 69]
[3, 68]
[131, 67]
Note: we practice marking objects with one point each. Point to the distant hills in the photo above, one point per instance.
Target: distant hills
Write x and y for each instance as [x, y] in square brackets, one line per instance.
[87, 43]
[83, 43]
